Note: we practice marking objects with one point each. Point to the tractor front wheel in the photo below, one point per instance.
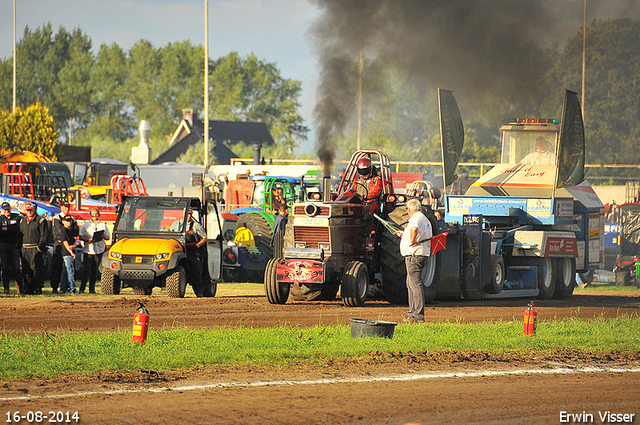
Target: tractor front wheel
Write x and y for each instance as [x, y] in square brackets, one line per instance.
[277, 293]
[355, 284]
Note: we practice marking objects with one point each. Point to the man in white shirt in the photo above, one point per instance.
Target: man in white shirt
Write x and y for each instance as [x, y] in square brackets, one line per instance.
[93, 233]
[415, 247]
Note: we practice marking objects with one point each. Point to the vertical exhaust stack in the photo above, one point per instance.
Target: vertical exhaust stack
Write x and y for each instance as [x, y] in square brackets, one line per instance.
[326, 188]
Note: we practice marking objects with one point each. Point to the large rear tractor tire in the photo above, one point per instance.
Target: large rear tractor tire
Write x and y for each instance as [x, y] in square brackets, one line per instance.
[497, 274]
[277, 293]
[355, 284]
[258, 229]
[431, 278]
[176, 283]
[109, 283]
[546, 278]
[394, 271]
[565, 278]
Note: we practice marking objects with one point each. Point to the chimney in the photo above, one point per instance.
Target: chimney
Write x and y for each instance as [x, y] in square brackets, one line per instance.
[187, 115]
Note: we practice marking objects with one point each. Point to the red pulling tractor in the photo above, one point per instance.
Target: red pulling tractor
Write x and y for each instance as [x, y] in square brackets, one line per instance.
[328, 246]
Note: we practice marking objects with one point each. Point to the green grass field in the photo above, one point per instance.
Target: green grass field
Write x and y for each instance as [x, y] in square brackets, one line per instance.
[51, 354]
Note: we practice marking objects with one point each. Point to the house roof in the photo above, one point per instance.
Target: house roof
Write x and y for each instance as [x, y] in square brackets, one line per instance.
[221, 152]
[188, 134]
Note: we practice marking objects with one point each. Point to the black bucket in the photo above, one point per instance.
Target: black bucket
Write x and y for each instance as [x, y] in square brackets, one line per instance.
[366, 327]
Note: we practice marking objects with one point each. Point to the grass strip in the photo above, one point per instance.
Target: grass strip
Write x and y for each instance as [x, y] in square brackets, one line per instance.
[52, 354]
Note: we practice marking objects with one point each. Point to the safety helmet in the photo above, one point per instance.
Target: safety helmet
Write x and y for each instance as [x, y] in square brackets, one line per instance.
[364, 166]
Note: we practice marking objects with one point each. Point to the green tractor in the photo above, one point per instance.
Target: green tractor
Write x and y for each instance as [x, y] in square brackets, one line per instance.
[255, 201]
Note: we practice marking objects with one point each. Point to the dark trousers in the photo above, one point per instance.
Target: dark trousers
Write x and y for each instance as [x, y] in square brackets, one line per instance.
[33, 271]
[10, 260]
[195, 258]
[56, 268]
[90, 263]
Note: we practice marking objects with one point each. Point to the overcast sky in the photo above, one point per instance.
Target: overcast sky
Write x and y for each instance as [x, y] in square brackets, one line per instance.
[274, 30]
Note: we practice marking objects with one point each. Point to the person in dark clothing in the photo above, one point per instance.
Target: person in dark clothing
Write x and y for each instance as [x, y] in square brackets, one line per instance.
[35, 232]
[58, 236]
[279, 226]
[196, 238]
[68, 280]
[10, 242]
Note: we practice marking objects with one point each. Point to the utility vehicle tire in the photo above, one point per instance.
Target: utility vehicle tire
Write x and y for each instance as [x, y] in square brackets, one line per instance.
[176, 283]
[109, 283]
[587, 277]
[277, 293]
[232, 274]
[210, 289]
[546, 278]
[262, 232]
[497, 275]
[565, 278]
[139, 290]
[355, 284]
[394, 271]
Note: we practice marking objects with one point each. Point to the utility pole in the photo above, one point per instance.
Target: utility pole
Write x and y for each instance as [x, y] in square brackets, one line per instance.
[359, 106]
[584, 53]
[206, 83]
[15, 60]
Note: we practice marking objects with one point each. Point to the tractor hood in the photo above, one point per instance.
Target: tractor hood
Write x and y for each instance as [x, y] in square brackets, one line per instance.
[146, 246]
[516, 180]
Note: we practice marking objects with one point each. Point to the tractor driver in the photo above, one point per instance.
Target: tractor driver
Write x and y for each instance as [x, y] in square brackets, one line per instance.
[369, 186]
[542, 154]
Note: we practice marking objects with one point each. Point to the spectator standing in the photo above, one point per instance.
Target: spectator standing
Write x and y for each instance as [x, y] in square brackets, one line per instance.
[195, 237]
[59, 231]
[67, 279]
[35, 232]
[93, 233]
[279, 227]
[10, 243]
[415, 247]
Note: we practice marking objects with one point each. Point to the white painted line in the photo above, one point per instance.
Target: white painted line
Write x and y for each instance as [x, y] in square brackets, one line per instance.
[353, 380]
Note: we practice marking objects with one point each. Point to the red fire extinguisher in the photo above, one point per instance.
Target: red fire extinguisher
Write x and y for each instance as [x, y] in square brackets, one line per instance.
[530, 320]
[140, 325]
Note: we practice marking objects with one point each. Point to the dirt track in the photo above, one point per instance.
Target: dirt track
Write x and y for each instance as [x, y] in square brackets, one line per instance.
[531, 397]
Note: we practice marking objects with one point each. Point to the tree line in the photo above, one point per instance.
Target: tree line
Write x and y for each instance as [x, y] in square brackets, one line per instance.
[103, 96]
[109, 92]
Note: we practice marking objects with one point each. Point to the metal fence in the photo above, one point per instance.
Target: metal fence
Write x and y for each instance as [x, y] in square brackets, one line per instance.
[596, 173]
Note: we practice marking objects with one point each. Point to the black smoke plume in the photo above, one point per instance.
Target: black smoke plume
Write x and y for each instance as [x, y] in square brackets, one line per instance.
[476, 47]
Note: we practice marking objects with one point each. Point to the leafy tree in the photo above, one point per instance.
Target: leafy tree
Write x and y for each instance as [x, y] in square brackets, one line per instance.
[54, 69]
[31, 129]
[162, 82]
[110, 115]
[249, 89]
[612, 85]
